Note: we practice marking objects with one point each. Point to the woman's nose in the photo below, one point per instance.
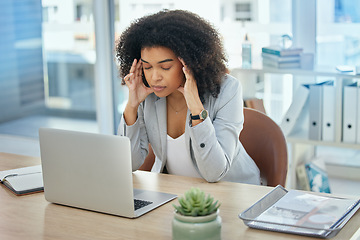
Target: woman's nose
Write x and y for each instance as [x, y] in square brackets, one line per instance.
[156, 75]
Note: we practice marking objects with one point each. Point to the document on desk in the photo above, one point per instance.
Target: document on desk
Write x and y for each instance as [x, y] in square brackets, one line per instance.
[23, 181]
[302, 213]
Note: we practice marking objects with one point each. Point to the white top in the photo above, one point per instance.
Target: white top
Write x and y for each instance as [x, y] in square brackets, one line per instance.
[178, 159]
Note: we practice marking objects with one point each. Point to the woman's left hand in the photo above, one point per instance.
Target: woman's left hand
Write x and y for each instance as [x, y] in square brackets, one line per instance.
[190, 91]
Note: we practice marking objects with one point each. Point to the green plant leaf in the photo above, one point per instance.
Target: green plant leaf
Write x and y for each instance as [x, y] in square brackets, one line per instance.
[196, 203]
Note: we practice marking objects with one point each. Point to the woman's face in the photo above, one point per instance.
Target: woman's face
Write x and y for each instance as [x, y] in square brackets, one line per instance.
[162, 69]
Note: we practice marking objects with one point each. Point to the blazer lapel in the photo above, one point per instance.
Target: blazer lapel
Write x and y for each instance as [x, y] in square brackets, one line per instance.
[160, 105]
[187, 126]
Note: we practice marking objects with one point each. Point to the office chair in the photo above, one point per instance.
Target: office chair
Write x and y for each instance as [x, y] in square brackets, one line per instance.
[264, 141]
[149, 161]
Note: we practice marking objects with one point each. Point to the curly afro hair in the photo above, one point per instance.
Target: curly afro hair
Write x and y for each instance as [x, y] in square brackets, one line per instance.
[189, 36]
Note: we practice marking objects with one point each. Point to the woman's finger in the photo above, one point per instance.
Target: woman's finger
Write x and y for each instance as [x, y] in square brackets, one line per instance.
[127, 77]
[133, 66]
[187, 73]
[138, 68]
[182, 61]
[185, 69]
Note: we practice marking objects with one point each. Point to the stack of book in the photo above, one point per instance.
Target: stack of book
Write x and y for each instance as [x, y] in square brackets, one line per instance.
[274, 56]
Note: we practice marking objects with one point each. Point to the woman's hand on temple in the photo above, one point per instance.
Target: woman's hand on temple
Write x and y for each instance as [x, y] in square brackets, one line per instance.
[137, 92]
[190, 91]
[137, 89]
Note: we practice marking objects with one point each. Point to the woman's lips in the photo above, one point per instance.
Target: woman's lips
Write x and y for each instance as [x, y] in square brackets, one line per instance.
[158, 88]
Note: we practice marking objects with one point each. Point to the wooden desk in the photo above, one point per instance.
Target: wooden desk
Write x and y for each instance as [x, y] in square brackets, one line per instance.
[32, 217]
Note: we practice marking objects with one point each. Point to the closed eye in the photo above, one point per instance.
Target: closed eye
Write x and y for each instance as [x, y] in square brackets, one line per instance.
[166, 68]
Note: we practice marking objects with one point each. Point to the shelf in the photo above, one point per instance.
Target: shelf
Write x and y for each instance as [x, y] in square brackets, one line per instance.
[302, 138]
[301, 148]
[317, 71]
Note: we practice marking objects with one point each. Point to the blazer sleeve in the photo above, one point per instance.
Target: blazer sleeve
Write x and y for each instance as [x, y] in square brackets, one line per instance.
[138, 138]
[215, 142]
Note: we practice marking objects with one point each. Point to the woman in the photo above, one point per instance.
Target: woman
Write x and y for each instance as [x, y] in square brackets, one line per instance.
[181, 101]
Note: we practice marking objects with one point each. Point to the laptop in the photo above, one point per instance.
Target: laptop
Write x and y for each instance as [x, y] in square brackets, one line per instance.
[93, 172]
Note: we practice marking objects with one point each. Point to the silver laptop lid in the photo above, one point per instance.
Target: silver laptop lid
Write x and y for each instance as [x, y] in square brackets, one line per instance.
[86, 170]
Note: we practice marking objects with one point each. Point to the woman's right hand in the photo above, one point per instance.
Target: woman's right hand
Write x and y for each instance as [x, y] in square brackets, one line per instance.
[137, 91]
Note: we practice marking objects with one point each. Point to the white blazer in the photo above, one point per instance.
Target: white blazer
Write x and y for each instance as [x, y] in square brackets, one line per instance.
[213, 145]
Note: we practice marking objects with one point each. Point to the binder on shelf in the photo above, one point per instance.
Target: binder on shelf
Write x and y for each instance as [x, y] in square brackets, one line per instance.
[315, 110]
[296, 113]
[328, 112]
[350, 103]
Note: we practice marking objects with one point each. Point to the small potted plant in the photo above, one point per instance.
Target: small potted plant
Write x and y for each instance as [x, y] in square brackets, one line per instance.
[197, 217]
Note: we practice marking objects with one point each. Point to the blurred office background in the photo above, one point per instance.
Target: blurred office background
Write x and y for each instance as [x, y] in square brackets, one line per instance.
[57, 65]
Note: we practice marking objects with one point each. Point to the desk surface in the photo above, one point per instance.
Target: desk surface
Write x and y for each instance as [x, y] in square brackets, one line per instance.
[32, 217]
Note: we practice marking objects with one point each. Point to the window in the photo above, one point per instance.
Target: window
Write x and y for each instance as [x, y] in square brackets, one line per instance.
[69, 54]
[347, 11]
[263, 21]
[78, 12]
[338, 32]
[21, 58]
[47, 67]
[243, 11]
[49, 13]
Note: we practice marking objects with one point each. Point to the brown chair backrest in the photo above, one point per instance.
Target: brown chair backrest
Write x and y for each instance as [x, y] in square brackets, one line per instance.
[149, 161]
[264, 141]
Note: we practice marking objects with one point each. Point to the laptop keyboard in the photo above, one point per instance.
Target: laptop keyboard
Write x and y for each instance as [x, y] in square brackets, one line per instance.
[140, 203]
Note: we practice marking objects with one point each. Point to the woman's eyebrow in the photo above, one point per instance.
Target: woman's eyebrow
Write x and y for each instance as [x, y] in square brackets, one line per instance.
[166, 60]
